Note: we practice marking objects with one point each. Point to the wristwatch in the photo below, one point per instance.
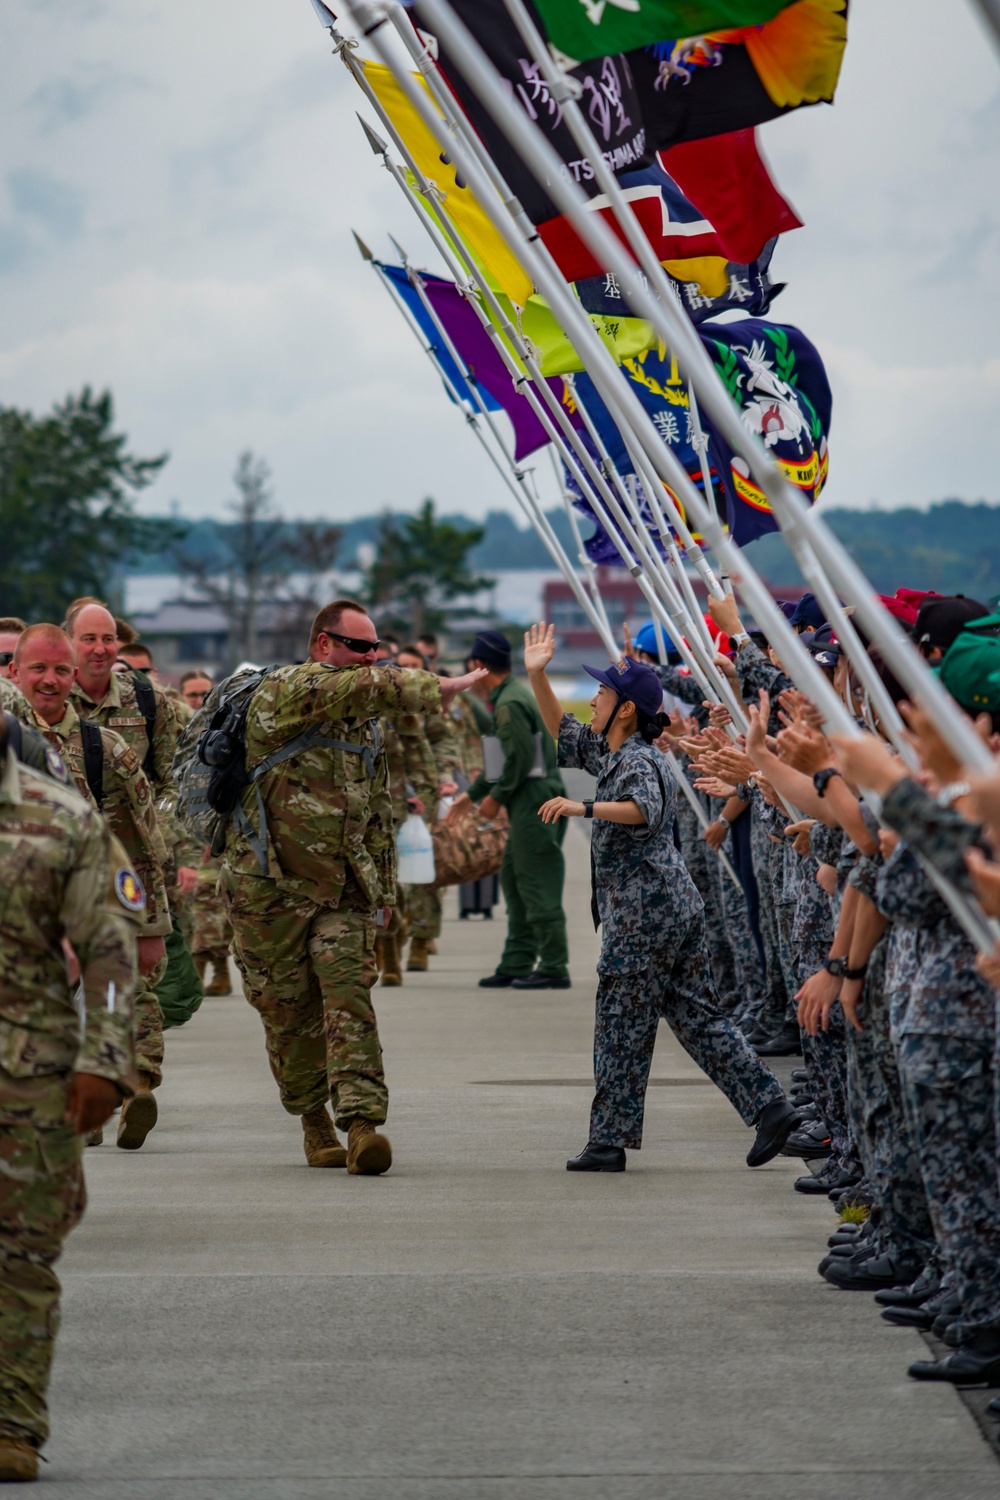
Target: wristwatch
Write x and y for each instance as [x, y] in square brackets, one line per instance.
[738, 639]
[724, 821]
[821, 779]
[588, 809]
[952, 792]
[839, 968]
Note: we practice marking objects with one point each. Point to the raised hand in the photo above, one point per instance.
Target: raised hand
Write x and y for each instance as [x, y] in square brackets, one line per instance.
[539, 647]
[629, 649]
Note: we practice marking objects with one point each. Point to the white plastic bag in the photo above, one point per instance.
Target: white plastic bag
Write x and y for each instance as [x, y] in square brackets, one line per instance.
[414, 852]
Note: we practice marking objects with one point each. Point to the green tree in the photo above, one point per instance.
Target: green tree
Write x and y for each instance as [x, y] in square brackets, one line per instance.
[67, 498]
[421, 562]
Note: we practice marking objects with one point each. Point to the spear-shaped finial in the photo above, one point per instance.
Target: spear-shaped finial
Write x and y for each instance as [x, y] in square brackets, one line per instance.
[325, 15]
[404, 258]
[378, 145]
[362, 247]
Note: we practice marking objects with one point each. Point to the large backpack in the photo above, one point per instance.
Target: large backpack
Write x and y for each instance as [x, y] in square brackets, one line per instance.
[209, 767]
[209, 788]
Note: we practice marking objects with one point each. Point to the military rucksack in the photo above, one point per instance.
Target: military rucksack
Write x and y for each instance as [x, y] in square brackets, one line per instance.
[34, 750]
[209, 767]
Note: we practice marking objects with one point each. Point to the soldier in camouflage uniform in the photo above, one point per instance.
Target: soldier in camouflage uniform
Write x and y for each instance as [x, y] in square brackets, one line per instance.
[56, 1084]
[44, 669]
[211, 934]
[947, 1062]
[431, 759]
[113, 700]
[309, 867]
[653, 959]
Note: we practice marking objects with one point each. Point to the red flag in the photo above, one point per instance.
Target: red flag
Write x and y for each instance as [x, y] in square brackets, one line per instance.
[727, 180]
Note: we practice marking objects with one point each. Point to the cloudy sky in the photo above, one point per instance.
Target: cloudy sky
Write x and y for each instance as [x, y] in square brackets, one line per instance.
[179, 181]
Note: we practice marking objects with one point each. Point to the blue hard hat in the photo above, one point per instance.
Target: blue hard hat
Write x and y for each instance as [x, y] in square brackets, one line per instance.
[632, 680]
[645, 640]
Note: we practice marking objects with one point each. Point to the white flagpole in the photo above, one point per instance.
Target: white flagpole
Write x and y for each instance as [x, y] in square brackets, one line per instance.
[797, 520]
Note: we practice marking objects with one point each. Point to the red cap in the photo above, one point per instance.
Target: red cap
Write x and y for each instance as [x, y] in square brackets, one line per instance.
[902, 609]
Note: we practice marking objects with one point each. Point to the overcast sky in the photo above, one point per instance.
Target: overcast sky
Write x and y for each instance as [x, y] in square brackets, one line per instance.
[178, 185]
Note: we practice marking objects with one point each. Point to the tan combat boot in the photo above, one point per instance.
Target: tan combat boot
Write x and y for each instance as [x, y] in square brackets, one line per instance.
[220, 979]
[368, 1153]
[388, 959]
[200, 961]
[320, 1141]
[418, 956]
[138, 1116]
[96, 1137]
[432, 946]
[18, 1460]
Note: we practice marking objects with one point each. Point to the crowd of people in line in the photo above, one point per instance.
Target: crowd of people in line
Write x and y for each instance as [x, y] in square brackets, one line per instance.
[148, 833]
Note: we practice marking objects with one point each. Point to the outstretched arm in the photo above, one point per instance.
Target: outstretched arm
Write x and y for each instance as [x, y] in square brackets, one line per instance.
[539, 648]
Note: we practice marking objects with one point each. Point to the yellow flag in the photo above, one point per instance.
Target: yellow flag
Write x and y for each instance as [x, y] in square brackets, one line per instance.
[464, 210]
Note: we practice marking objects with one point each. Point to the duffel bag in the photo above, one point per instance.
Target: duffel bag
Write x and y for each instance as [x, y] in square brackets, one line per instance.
[468, 846]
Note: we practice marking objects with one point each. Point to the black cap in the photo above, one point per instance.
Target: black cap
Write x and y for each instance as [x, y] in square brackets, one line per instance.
[492, 649]
[939, 621]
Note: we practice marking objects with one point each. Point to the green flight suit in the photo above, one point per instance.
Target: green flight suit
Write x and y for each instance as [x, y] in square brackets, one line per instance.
[533, 869]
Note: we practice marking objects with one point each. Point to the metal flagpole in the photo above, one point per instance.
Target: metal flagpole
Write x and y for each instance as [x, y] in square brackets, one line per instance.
[795, 518]
[521, 242]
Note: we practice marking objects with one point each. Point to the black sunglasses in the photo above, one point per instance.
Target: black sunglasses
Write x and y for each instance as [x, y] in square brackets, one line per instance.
[354, 643]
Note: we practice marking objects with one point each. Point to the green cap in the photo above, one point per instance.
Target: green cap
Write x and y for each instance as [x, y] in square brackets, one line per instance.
[970, 669]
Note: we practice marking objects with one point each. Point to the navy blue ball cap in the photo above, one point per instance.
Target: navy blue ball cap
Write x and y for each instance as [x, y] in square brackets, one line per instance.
[493, 649]
[808, 612]
[632, 680]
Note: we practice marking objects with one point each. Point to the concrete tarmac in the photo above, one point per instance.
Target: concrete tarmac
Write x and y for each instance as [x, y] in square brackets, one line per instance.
[479, 1323]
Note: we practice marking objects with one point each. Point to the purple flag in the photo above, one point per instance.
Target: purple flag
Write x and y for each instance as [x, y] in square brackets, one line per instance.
[482, 361]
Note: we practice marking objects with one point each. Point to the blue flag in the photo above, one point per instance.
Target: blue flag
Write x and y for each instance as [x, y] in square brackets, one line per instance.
[414, 306]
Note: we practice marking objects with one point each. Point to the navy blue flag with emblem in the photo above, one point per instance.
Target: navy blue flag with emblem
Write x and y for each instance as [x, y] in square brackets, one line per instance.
[749, 290]
[776, 378]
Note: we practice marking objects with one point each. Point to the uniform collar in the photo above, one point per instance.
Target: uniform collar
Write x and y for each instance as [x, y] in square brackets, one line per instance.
[10, 781]
[65, 726]
[111, 699]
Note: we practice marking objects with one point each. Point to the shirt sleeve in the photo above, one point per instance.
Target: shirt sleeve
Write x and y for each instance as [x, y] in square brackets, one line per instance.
[640, 782]
[580, 747]
[103, 944]
[685, 688]
[940, 834]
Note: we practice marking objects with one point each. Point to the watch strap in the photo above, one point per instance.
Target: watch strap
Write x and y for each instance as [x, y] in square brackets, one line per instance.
[588, 808]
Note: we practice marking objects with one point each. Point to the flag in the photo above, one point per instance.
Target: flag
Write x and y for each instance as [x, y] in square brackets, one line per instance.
[481, 359]
[608, 99]
[588, 28]
[454, 376]
[704, 288]
[751, 208]
[727, 180]
[484, 242]
[776, 378]
[704, 86]
[621, 335]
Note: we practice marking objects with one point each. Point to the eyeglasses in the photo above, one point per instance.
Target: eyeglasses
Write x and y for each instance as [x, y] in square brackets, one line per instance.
[354, 643]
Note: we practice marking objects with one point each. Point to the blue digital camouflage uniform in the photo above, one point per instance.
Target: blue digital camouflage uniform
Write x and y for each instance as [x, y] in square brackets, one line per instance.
[947, 1056]
[653, 959]
[731, 948]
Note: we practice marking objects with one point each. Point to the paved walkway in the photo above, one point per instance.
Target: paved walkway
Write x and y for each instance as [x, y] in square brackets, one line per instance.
[479, 1323]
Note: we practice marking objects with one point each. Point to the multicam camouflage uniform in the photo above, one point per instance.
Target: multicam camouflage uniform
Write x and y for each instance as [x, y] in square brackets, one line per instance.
[423, 902]
[308, 860]
[211, 933]
[948, 1054]
[119, 710]
[469, 731]
[55, 872]
[653, 959]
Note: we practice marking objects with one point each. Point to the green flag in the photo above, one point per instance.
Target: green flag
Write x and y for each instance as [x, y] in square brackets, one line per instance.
[593, 28]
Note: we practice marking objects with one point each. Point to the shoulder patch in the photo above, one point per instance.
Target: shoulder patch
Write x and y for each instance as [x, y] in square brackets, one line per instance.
[126, 758]
[128, 889]
[56, 765]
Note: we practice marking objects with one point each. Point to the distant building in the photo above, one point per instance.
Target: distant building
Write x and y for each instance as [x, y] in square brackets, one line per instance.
[187, 633]
[576, 639]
